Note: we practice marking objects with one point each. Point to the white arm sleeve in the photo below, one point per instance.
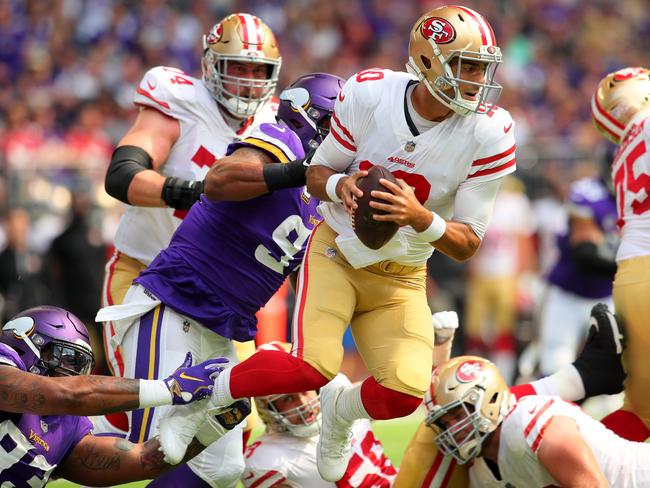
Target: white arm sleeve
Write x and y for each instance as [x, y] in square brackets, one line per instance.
[474, 203]
[330, 155]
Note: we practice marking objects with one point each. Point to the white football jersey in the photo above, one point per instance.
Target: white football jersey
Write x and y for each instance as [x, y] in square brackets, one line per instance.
[282, 459]
[624, 463]
[371, 123]
[144, 231]
[631, 176]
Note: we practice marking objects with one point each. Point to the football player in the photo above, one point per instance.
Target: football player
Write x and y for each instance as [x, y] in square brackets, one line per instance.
[597, 370]
[582, 275]
[535, 441]
[438, 131]
[226, 260]
[285, 454]
[183, 126]
[45, 393]
[621, 112]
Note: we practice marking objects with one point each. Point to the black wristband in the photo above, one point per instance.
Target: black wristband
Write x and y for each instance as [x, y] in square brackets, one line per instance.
[126, 162]
[284, 175]
[181, 194]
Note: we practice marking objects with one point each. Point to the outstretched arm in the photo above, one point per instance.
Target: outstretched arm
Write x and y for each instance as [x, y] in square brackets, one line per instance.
[23, 392]
[105, 461]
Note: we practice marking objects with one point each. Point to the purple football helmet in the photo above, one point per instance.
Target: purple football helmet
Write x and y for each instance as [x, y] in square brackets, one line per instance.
[50, 341]
[307, 105]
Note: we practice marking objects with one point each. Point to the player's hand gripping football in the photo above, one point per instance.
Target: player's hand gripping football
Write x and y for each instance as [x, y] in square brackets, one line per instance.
[350, 192]
[190, 383]
[401, 205]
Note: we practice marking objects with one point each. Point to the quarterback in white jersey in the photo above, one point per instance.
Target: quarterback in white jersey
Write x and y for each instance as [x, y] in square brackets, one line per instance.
[621, 112]
[437, 131]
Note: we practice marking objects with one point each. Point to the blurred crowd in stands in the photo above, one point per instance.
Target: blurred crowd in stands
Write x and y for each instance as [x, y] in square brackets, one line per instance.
[69, 68]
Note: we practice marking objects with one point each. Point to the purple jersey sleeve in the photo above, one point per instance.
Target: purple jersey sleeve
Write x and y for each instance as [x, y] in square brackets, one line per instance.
[277, 140]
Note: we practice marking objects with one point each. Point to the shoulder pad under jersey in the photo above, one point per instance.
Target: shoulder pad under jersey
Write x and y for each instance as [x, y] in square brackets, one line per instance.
[172, 92]
[280, 142]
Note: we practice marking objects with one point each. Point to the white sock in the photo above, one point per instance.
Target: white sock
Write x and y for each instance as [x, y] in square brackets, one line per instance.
[566, 383]
[349, 405]
[221, 395]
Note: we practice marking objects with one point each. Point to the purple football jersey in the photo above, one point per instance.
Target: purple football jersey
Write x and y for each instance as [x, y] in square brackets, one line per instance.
[31, 446]
[227, 259]
[588, 197]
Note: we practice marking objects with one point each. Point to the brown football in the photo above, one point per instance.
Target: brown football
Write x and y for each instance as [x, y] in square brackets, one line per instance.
[373, 233]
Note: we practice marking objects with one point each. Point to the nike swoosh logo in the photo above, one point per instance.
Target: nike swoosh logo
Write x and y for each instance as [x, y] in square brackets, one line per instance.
[507, 129]
[151, 87]
[249, 476]
[186, 377]
[532, 410]
[279, 128]
[341, 97]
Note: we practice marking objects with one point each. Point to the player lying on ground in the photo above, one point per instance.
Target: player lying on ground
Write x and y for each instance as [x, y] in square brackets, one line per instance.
[45, 393]
[285, 454]
[597, 370]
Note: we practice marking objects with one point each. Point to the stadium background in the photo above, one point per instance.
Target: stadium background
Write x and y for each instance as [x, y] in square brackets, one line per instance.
[68, 70]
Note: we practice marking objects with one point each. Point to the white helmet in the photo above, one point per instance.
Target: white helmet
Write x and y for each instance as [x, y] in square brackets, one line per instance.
[474, 385]
[245, 38]
[443, 35]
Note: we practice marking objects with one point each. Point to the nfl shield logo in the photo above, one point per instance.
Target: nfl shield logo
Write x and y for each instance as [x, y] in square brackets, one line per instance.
[44, 427]
[410, 146]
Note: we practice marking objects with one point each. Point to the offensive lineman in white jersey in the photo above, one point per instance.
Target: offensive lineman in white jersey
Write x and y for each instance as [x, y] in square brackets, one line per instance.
[285, 454]
[158, 168]
[534, 442]
[437, 130]
[621, 111]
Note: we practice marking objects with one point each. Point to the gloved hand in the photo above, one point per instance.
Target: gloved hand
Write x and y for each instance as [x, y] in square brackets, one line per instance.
[190, 383]
[444, 325]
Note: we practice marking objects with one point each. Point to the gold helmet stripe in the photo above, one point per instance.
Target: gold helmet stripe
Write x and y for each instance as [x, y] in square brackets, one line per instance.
[251, 31]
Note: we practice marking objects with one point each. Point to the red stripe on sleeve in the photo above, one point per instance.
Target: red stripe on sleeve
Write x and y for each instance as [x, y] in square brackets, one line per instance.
[342, 141]
[540, 436]
[151, 97]
[343, 129]
[496, 169]
[490, 159]
[534, 420]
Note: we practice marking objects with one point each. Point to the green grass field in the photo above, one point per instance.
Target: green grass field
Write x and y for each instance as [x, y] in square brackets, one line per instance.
[394, 435]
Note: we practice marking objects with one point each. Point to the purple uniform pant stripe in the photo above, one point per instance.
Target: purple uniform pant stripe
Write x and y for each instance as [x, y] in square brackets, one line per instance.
[147, 367]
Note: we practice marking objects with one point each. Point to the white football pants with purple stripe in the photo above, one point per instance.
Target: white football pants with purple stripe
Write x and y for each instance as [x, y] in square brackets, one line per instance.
[153, 344]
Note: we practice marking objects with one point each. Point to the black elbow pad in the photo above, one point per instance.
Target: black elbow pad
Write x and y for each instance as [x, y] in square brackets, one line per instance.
[126, 162]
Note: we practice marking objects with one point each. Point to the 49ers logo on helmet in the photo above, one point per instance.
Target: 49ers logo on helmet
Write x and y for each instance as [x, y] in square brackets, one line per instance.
[439, 30]
[627, 73]
[215, 34]
[469, 371]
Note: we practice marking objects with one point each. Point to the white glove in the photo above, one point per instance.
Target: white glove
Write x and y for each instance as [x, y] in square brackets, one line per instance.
[444, 325]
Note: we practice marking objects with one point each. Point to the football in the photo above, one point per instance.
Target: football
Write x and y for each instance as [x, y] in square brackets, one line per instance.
[372, 233]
